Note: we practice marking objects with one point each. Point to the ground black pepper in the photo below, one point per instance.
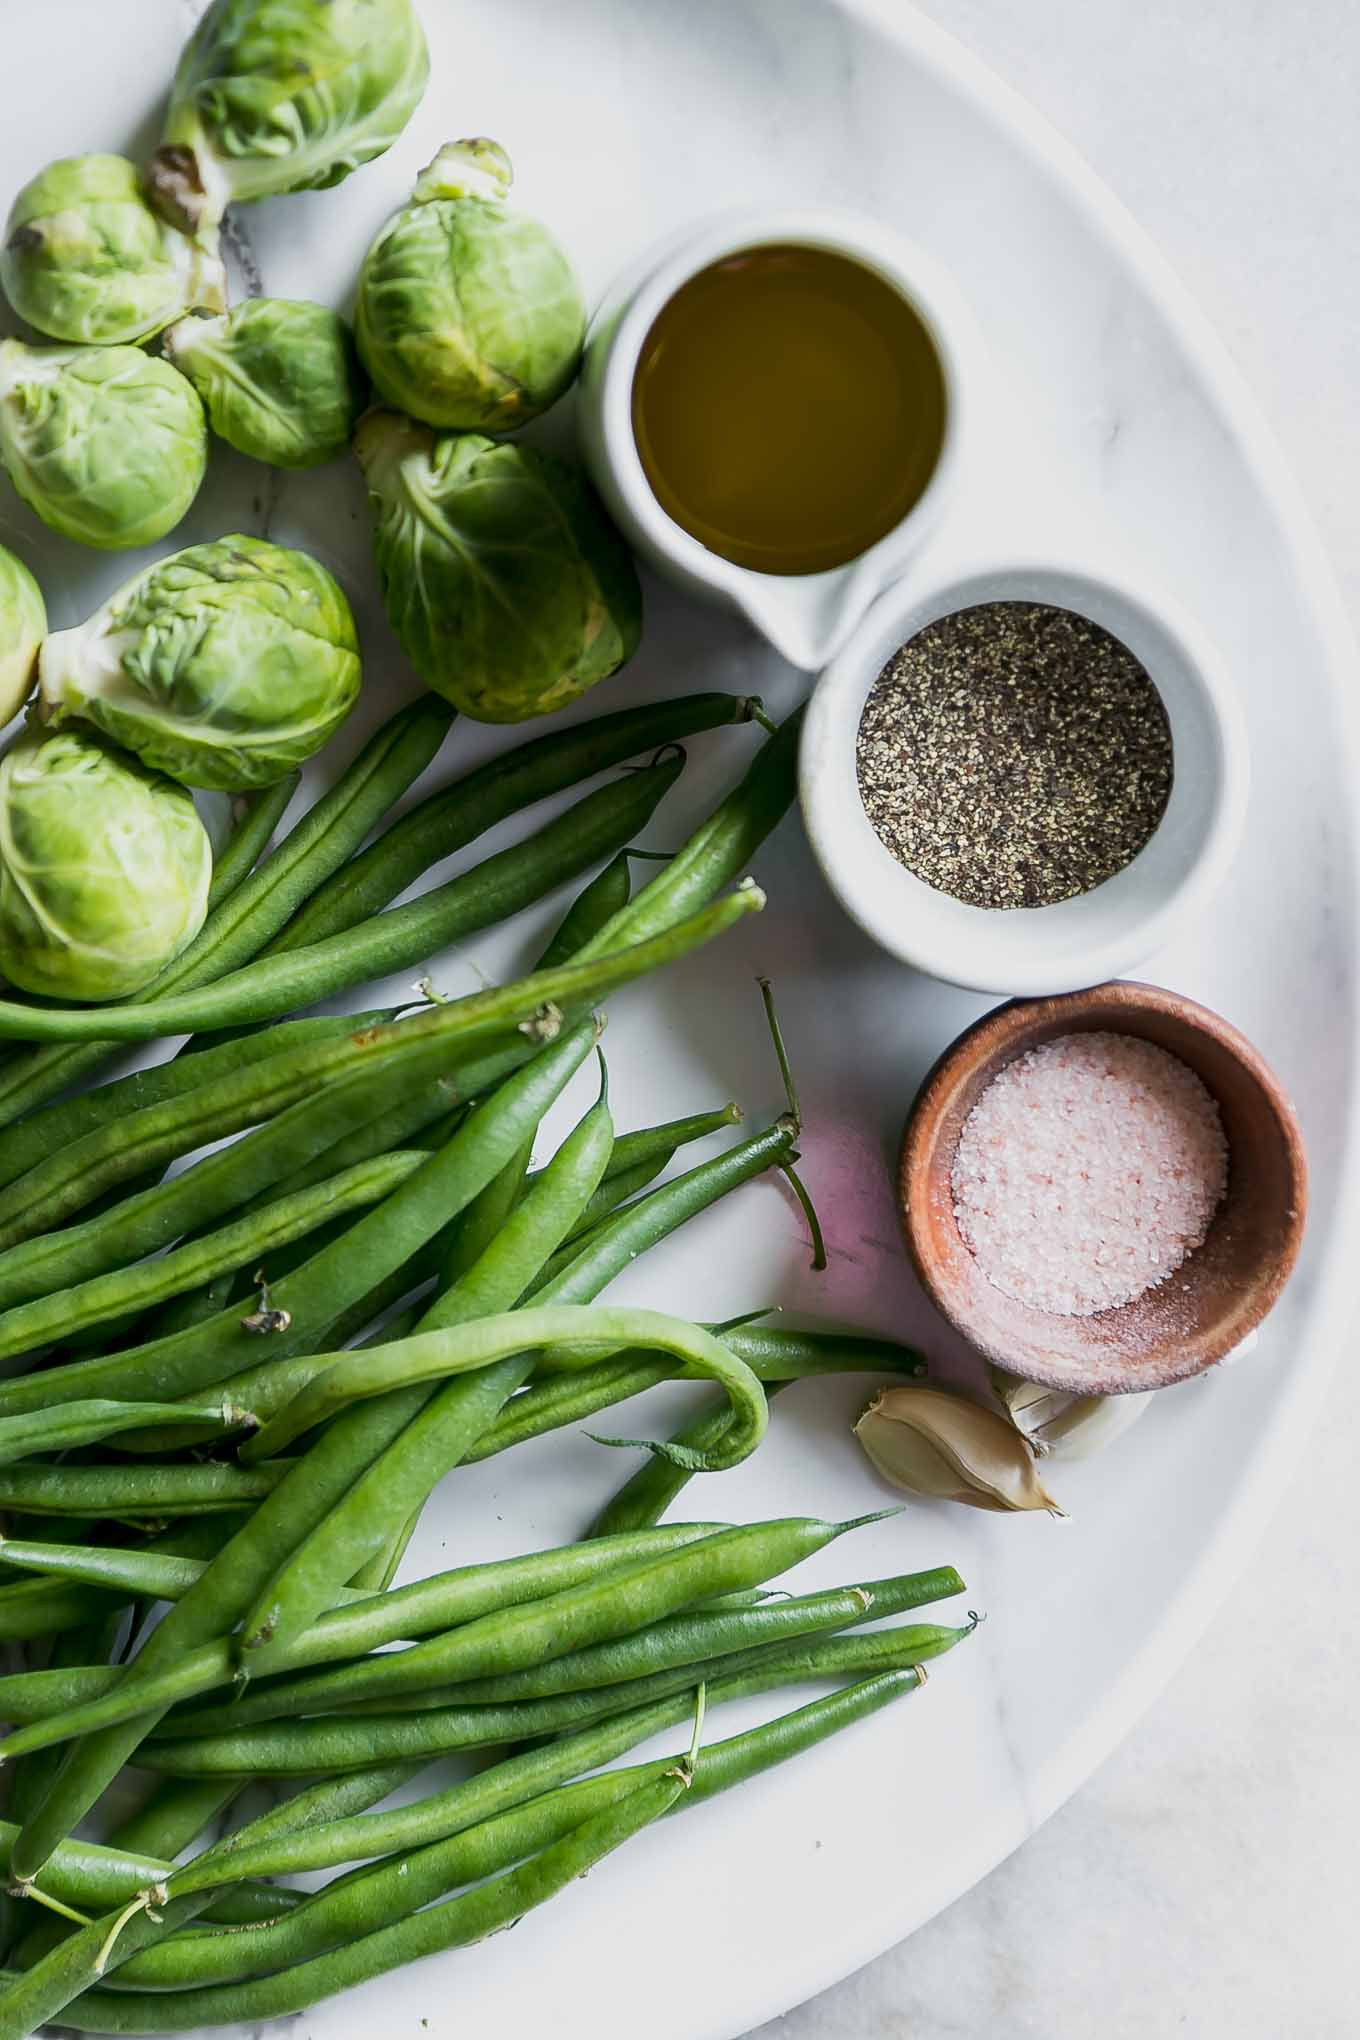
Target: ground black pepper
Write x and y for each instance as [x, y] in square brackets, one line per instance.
[1014, 754]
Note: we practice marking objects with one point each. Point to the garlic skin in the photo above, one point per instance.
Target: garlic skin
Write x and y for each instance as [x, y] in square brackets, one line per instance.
[928, 1441]
[1063, 1426]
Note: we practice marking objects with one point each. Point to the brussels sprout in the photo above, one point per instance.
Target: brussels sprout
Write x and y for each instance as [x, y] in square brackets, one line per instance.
[23, 625]
[284, 95]
[104, 868]
[468, 314]
[86, 259]
[224, 665]
[508, 587]
[280, 378]
[106, 444]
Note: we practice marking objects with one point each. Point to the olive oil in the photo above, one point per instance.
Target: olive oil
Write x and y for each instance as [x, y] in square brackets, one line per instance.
[788, 408]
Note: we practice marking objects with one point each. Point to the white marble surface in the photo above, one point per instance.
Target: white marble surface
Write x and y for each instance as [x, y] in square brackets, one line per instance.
[1203, 1882]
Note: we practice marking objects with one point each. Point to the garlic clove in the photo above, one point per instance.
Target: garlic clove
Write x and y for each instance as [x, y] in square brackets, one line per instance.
[930, 1442]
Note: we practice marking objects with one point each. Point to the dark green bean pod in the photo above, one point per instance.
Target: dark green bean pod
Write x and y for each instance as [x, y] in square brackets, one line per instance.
[260, 814]
[456, 1923]
[201, 1956]
[174, 1814]
[300, 1748]
[130, 1492]
[622, 1602]
[93, 1877]
[379, 1242]
[250, 1241]
[365, 1623]
[515, 1237]
[84, 1955]
[450, 818]
[57, 1126]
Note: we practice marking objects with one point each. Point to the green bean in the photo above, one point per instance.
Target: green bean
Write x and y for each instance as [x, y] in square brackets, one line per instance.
[174, 1815]
[329, 1086]
[324, 839]
[315, 1294]
[53, 1127]
[363, 1624]
[80, 1423]
[92, 1642]
[395, 1682]
[84, 1955]
[89, 1875]
[250, 1240]
[720, 850]
[623, 1601]
[392, 941]
[347, 1270]
[201, 1956]
[641, 1707]
[647, 1494]
[260, 815]
[455, 1923]
[131, 1570]
[450, 818]
[590, 911]
[382, 1497]
[435, 1355]
[132, 1491]
[46, 1607]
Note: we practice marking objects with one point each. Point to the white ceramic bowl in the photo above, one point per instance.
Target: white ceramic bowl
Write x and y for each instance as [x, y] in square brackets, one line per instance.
[1079, 942]
[806, 617]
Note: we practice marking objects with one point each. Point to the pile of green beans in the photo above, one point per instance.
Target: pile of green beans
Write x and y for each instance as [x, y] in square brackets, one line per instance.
[224, 1454]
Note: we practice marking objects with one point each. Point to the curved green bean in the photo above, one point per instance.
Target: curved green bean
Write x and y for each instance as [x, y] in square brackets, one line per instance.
[590, 1330]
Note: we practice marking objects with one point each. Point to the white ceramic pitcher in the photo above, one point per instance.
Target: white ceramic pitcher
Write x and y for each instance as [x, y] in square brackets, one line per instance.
[806, 617]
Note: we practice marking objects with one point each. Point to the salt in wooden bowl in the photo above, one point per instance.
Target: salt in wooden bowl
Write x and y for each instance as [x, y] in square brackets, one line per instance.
[1219, 1294]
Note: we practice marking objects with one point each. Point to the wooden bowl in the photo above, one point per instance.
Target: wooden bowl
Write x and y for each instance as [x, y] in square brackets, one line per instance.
[1217, 1296]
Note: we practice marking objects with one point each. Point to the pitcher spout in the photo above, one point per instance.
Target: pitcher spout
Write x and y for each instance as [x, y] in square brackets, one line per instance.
[807, 617]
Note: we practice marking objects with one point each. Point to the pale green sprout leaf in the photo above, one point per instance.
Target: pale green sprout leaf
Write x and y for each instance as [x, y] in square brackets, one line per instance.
[225, 665]
[106, 444]
[104, 868]
[510, 591]
[87, 261]
[284, 95]
[279, 376]
[468, 314]
[23, 625]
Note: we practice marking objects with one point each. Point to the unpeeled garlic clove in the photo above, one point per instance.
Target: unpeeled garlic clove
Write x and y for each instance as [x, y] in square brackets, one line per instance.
[1066, 1426]
[929, 1442]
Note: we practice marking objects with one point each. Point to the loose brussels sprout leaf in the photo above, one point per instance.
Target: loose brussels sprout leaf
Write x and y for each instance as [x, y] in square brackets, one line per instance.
[107, 445]
[23, 625]
[86, 259]
[508, 587]
[284, 95]
[468, 315]
[104, 868]
[280, 378]
[224, 665]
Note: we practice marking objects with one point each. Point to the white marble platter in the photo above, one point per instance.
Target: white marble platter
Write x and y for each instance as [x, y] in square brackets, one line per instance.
[1126, 425]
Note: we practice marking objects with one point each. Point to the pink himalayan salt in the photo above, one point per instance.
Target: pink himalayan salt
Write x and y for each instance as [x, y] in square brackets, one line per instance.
[1087, 1171]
